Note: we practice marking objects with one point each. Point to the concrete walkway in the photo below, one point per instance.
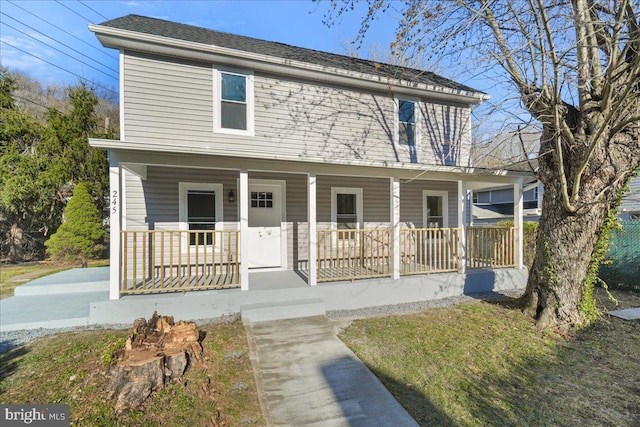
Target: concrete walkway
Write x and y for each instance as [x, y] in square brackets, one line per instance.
[56, 301]
[306, 376]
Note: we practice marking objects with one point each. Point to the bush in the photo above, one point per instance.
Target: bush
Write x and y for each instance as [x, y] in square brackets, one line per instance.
[529, 235]
[81, 235]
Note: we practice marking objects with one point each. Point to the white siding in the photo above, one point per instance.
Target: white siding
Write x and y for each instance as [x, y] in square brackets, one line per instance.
[171, 101]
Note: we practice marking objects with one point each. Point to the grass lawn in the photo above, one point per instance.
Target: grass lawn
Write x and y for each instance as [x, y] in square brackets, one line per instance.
[14, 275]
[484, 364]
[70, 368]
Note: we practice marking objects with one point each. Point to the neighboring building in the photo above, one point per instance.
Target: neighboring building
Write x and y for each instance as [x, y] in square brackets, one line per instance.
[630, 207]
[239, 155]
[496, 204]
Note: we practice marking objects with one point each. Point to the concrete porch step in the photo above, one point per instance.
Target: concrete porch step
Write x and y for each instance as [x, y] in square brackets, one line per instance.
[280, 310]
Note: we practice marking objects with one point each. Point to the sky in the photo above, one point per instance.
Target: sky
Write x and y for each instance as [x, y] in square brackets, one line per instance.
[50, 41]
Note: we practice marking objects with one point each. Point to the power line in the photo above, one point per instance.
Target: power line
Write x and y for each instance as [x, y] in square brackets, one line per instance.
[64, 53]
[51, 38]
[92, 9]
[57, 66]
[103, 51]
[73, 11]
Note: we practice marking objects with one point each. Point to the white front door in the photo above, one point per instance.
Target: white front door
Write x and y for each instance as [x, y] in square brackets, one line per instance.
[265, 221]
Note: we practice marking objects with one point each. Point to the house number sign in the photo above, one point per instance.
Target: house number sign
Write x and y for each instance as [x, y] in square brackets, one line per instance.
[114, 202]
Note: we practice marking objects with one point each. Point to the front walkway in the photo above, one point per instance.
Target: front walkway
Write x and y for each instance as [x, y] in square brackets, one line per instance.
[306, 376]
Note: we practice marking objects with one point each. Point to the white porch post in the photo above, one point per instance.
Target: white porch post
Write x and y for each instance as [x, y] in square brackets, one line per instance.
[517, 221]
[463, 222]
[395, 230]
[243, 200]
[313, 234]
[115, 264]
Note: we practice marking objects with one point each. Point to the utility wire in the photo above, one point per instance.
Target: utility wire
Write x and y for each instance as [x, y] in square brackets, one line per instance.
[92, 9]
[73, 11]
[64, 53]
[103, 51]
[57, 66]
[51, 38]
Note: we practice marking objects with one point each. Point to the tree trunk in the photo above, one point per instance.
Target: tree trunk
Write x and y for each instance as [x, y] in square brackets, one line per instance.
[16, 240]
[563, 256]
[567, 240]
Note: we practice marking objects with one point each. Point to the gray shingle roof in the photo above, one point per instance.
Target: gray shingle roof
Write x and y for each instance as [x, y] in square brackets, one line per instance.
[158, 27]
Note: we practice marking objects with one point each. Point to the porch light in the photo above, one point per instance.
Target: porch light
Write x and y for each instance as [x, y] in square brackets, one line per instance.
[231, 197]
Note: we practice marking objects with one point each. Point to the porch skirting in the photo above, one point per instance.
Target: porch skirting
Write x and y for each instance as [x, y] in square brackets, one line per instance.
[334, 296]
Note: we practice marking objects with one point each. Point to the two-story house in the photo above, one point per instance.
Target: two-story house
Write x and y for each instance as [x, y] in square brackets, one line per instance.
[239, 155]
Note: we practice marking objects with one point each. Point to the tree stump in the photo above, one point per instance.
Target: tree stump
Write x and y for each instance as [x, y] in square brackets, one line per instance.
[156, 352]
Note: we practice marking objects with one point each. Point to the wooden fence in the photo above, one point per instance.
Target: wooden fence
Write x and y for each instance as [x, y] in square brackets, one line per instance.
[179, 260]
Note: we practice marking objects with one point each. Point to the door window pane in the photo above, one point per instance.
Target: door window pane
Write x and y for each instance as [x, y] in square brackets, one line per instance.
[261, 199]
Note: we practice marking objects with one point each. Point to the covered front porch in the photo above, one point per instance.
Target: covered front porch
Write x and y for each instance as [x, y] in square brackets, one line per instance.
[154, 261]
[324, 223]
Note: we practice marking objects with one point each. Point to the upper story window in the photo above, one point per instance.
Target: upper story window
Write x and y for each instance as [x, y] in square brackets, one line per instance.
[406, 122]
[235, 102]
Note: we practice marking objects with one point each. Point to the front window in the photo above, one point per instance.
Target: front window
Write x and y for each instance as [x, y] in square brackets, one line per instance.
[201, 215]
[200, 211]
[406, 122]
[435, 205]
[346, 209]
[346, 213]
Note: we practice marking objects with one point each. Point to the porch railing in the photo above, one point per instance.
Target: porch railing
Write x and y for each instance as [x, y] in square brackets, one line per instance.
[490, 247]
[179, 260]
[429, 250]
[353, 254]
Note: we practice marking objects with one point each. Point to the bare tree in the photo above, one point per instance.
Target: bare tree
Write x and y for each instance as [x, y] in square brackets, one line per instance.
[576, 68]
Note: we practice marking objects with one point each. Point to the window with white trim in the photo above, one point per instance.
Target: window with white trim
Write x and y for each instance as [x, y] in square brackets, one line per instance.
[435, 207]
[346, 208]
[234, 100]
[200, 210]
